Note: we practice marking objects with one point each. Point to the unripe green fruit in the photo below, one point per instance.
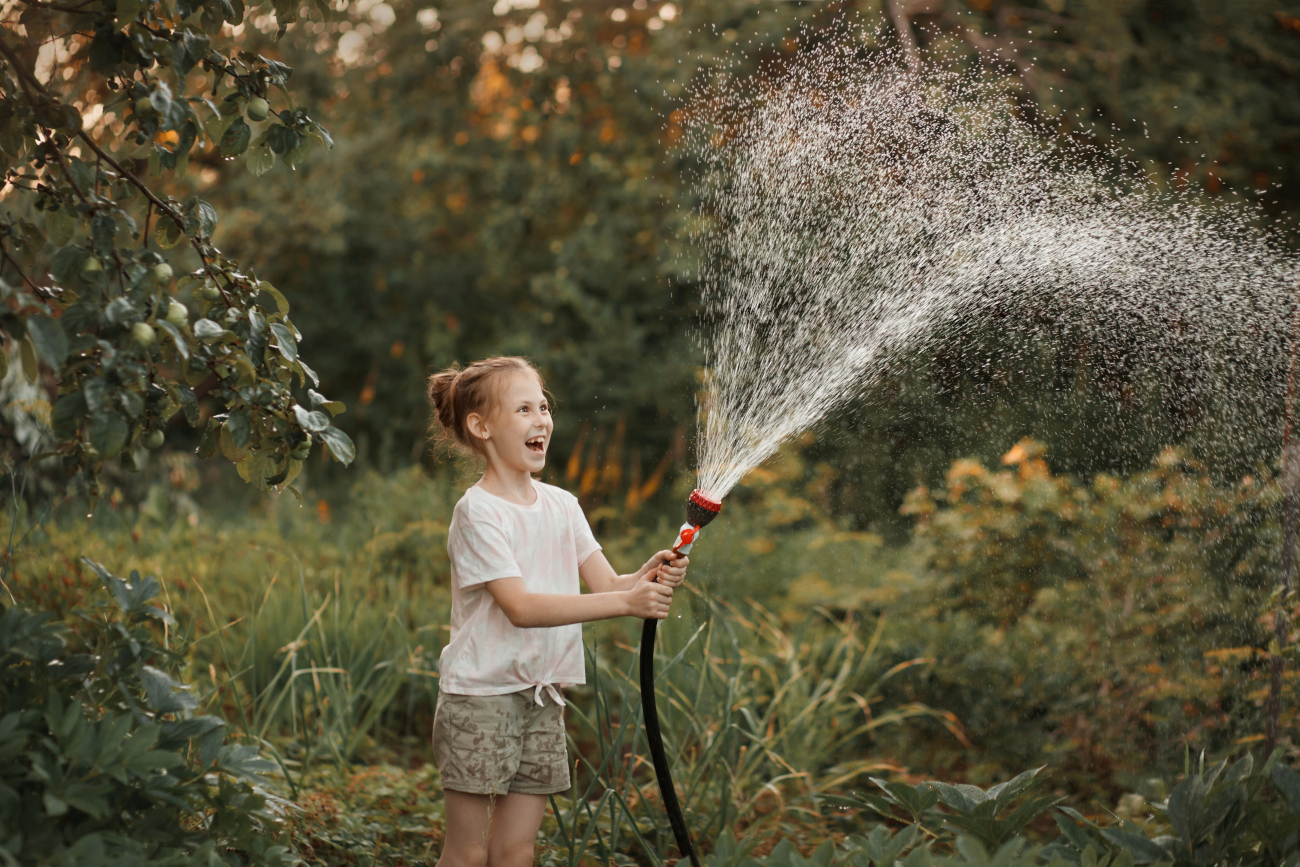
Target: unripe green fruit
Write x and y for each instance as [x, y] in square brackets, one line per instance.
[153, 439]
[177, 314]
[209, 293]
[301, 452]
[258, 109]
[162, 272]
[91, 266]
[143, 333]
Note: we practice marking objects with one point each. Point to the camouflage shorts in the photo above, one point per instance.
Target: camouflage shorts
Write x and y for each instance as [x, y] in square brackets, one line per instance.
[495, 744]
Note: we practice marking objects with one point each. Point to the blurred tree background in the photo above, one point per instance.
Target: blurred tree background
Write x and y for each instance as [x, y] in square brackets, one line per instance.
[505, 181]
[507, 177]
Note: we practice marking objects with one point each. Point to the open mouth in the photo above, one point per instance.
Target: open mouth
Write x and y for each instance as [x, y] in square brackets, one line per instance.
[537, 445]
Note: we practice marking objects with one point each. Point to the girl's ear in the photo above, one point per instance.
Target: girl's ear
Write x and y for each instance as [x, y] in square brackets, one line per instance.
[477, 426]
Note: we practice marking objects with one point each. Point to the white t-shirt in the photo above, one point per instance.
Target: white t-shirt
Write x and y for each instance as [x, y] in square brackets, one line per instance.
[544, 544]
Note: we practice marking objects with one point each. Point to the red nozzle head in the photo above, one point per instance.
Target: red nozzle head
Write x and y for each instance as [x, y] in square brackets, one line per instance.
[700, 510]
[701, 499]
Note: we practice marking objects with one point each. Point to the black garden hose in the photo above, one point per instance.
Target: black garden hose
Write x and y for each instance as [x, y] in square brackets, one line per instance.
[701, 508]
[652, 735]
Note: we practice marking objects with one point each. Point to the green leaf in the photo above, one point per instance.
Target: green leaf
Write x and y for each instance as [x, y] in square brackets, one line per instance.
[67, 414]
[60, 226]
[208, 444]
[193, 46]
[31, 369]
[103, 235]
[1004, 792]
[168, 233]
[108, 433]
[308, 372]
[238, 424]
[164, 694]
[281, 303]
[339, 443]
[319, 401]
[1076, 835]
[132, 403]
[50, 342]
[189, 404]
[914, 799]
[285, 342]
[182, 346]
[1143, 850]
[1288, 783]
[234, 141]
[256, 346]
[311, 421]
[243, 761]
[82, 174]
[972, 851]
[207, 219]
[260, 159]
[962, 797]
[282, 140]
[207, 330]
[121, 310]
[94, 390]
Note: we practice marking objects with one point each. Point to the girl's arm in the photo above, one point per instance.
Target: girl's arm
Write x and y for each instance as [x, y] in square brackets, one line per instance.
[597, 574]
[645, 599]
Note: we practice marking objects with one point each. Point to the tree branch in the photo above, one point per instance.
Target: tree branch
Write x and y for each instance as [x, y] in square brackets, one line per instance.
[160, 205]
[44, 293]
[58, 7]
[1006, 11]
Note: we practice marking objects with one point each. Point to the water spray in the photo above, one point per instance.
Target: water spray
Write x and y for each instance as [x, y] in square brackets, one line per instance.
[701, 508]
[860, 211]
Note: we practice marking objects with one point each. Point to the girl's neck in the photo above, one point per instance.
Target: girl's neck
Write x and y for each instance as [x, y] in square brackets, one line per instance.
[513, 486]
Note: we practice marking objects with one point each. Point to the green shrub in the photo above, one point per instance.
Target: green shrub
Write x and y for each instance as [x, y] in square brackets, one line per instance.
[102, 757]
[1093, 625]
[1227, 815]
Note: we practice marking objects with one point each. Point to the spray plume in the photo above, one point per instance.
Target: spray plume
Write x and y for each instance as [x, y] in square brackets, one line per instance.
[855, 211]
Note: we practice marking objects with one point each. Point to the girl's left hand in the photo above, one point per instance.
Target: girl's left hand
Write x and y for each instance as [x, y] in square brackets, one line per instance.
[671, 567]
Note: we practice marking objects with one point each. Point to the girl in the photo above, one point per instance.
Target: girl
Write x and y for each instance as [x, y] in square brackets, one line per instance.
[517, 549]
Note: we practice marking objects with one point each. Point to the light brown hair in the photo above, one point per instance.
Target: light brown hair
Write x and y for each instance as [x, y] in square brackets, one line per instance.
[456, 393]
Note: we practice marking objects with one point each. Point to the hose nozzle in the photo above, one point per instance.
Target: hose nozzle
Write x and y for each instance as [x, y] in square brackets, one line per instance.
[700, 510]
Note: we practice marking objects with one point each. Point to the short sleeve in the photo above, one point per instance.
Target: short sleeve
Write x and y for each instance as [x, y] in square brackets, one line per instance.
[583, 538]
[480, 552]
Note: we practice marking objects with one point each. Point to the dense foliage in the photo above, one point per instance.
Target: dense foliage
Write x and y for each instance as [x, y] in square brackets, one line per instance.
[1227, 814]
[1123, 613]
[103, 759]
[812, 656]
[101, 102]
[507, 179]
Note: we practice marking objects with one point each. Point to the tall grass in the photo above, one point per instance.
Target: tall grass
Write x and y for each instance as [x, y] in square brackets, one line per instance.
[319, 641]
[758, 720]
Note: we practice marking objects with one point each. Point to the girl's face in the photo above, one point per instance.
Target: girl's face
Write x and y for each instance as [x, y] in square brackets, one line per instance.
[518, 430]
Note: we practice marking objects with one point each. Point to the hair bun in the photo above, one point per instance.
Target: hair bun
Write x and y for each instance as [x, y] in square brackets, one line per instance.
[456, 394]
[442, 395]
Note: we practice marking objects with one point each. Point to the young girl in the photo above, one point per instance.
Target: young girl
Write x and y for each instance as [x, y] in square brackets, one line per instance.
[517, 549]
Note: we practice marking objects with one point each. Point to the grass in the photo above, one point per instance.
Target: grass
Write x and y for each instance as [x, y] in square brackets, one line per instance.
[319, 642]
[802, 658]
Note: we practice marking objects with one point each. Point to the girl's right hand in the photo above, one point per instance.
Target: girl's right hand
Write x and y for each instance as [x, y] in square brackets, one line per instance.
[649, 600]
